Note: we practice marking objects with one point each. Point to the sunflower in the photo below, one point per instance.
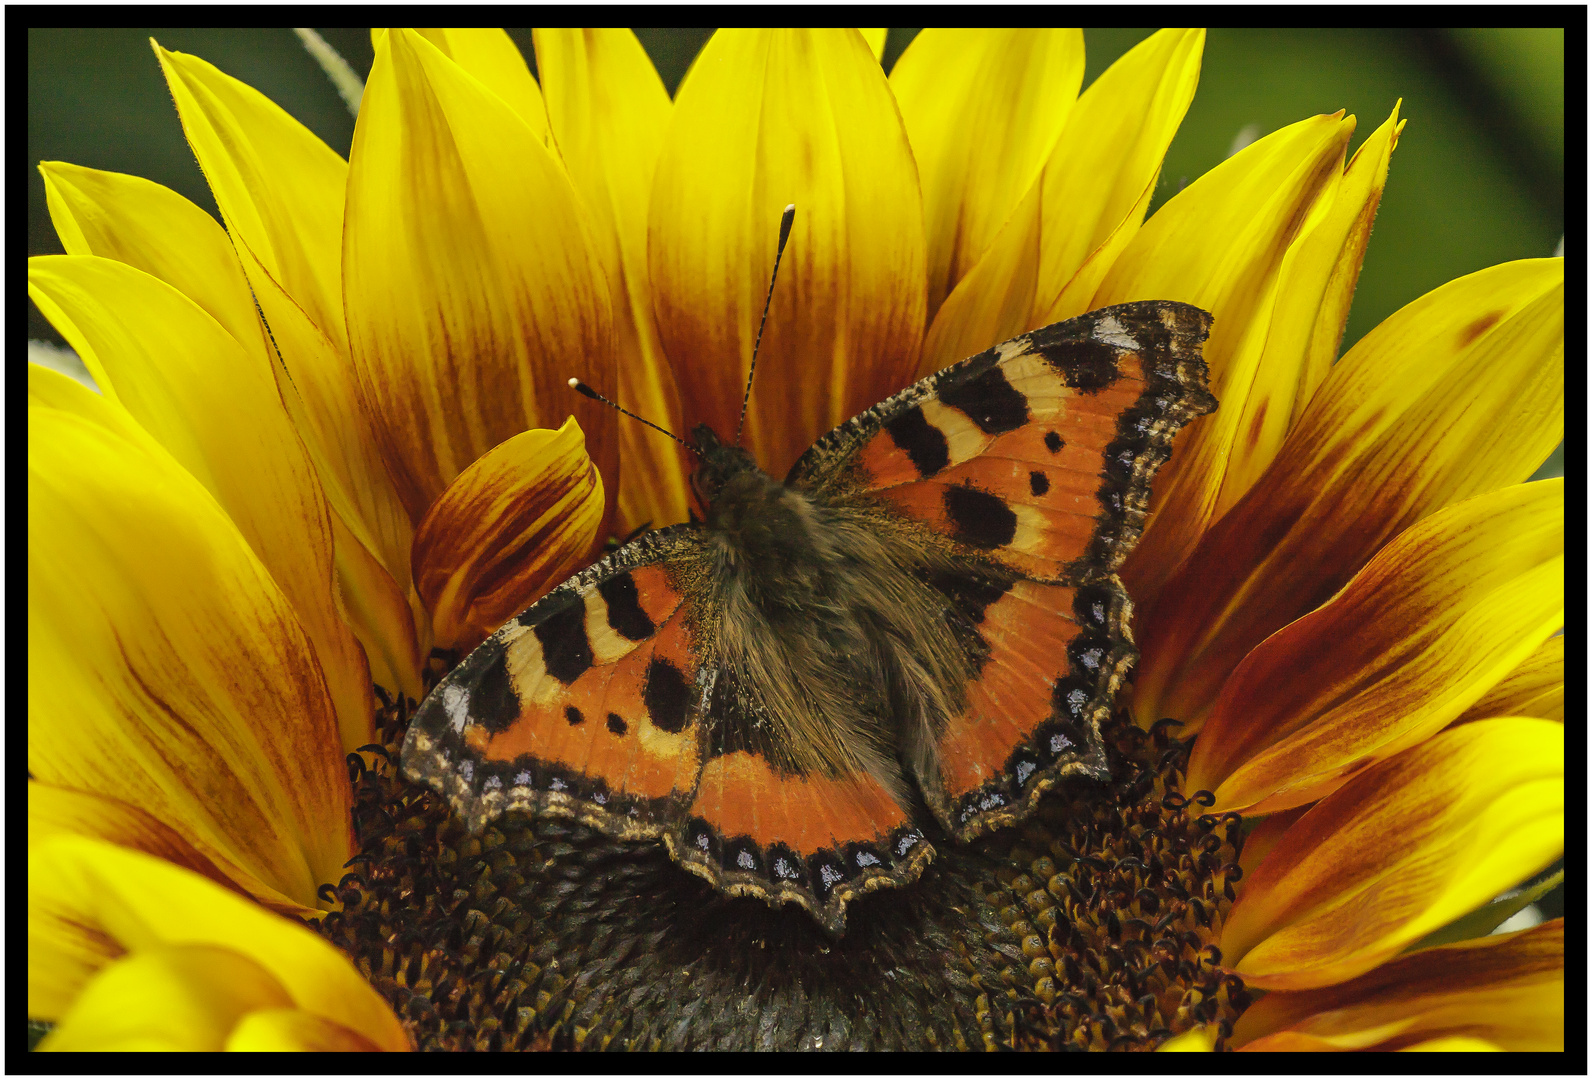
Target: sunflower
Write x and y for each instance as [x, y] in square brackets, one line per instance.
[334, 437]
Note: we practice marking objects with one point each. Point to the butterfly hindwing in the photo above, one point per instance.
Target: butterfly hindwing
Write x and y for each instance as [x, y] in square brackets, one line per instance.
[605, 702]
[1034, 459]
[818, 840]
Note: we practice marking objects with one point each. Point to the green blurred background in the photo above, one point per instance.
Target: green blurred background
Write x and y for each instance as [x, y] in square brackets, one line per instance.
[1477, 179]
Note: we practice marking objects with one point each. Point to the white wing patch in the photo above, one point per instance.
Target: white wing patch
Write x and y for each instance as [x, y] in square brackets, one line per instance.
[456, 703]
[1112, 332]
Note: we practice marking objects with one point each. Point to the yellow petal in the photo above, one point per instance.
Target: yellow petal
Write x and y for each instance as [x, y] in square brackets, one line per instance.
[1452, 1044]
[1306, 324]
[1102, 176]
[489, 54]
[214, 406]
[1220, 244]
[1459, 393]
[172, 997]
[1506, 991]
[321, 394]
[154, 229]
[165, 667]
[381, 615]
[1405, 847]
[766, 118]
[54, 811]
[145, 225]
[609, 111]
[511, 526]
[280, 191]
[1435, 620]
[1087, 204]
[876, 37]
[294, 1031]
[91, 903]
[983, 110]
[471, 283]
[1196, 1040]
[1534, 688]
[1263, 837]
[279, 187]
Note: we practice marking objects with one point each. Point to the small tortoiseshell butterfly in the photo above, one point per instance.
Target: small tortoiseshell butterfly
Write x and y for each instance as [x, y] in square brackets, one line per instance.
[924, 609]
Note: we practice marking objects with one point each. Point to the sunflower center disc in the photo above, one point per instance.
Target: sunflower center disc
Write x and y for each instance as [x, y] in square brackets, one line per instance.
[1091, 927]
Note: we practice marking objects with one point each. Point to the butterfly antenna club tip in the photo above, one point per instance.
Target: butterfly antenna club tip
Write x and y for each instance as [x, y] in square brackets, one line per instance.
[787, 218]
[586, 391]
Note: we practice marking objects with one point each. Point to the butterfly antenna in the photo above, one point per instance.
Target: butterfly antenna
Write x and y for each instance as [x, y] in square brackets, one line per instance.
[785, 221]
[586, 391]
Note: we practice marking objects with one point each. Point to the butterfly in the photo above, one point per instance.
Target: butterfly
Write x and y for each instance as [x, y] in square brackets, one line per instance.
[921, 620]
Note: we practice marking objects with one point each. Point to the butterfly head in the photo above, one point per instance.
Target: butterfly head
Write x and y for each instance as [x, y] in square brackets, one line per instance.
[719, 464]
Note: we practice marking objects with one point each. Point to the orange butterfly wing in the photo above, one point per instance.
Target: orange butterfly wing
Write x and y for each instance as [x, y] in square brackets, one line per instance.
[586, 705]
[1035, 459]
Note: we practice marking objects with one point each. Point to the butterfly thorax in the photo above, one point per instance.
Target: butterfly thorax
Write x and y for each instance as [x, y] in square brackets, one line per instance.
[814, 601]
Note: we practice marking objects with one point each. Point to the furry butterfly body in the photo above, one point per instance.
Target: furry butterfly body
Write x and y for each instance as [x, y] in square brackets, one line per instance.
[922, 619]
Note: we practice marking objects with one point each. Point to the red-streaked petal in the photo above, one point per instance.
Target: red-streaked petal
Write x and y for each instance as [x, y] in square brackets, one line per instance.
[281, 191]
[1435, 620]
[1534, 688]
[1405, 847]
[166, 668]
[1457, 394]
[57, 811]
[471, 284]
[609, 112]
[322, 396]
[1220, 244]
[1505, 990]
[766, 118]
[1305, 325]
[511, 526]
[1264, 837]
[155, 230]
[214, 406]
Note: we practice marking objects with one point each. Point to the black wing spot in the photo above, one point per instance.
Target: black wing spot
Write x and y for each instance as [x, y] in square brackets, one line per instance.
[565, 651]
[1053, 442]
[1088, 366]
[923, 443]
[666, 696]
[970, 593]
[573, 715]
[624, 608]
[494, 703]
[990, 401]
[1038, 482]
[981, 519]
[616, 723]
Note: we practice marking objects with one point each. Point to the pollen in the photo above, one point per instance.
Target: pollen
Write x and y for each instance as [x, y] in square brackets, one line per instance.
[1089, 927]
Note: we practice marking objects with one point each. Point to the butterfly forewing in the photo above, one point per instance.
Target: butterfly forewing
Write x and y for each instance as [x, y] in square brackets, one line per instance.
[1035, 458]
